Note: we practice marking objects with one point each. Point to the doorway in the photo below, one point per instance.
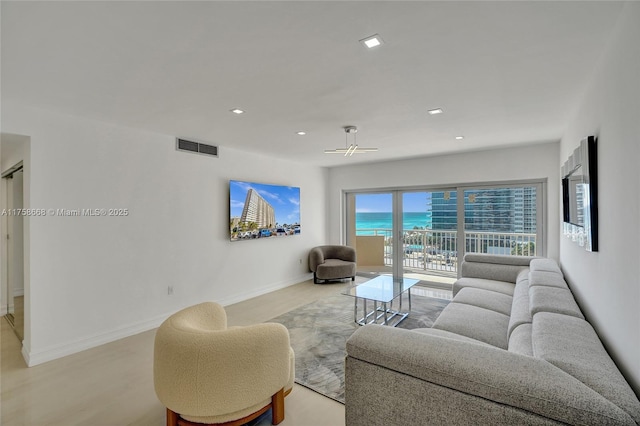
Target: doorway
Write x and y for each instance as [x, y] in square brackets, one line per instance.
[13, 262]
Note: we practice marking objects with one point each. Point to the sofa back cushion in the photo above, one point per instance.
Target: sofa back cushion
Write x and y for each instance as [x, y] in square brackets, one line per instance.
[520, 313]
[485, 284]
[548, 291]
[494, 267]
[545, 265]
[475, 322]
[499, 259]
[549, 279]
[555, 300]
[494, 301]
[546, 272]
[520, 340]
[572, 345]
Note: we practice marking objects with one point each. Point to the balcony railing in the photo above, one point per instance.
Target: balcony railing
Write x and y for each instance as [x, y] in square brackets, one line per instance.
[432, 250]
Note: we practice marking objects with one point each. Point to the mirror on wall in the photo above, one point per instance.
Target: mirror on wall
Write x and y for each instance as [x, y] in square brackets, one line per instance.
[580, 195]
[574, 185]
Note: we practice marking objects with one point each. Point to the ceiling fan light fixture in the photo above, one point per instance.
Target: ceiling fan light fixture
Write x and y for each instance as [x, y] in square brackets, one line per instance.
[351, 149]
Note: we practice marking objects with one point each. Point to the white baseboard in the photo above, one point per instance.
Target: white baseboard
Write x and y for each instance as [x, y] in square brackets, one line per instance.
[277, 286]
[68, 348]
[3, 310]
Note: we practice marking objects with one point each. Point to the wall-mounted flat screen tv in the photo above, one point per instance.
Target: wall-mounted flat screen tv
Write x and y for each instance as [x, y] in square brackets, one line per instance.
[261, 210]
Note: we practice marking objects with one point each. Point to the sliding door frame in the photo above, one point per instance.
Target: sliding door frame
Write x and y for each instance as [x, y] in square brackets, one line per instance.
[460, 188]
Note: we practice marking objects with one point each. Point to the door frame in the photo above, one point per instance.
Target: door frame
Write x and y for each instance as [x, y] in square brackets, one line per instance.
[7, 251]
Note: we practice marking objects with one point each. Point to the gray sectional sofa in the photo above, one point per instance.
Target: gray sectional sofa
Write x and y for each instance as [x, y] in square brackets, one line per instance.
[511, 348]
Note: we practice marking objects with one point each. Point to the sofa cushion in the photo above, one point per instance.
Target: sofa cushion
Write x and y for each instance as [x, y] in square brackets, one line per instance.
[448, 335]
[520, 313]
[498, 259]
[491, 271]
[523, 275]
[520, 340]
[572, 345]
[545, 265]
[551, 299]
[478, 323]
[491, 300]
[492, 285]
[549, 279]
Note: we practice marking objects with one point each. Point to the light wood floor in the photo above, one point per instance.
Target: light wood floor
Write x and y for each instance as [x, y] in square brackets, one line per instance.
[112, 385]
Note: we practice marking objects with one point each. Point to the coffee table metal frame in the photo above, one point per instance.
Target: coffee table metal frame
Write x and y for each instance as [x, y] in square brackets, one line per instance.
[381, 290]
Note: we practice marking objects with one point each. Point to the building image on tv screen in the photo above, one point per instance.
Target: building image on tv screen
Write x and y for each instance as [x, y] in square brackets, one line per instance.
[262, 211]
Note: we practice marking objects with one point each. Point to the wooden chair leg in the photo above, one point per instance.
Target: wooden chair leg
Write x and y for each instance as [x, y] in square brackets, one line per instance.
[277, 407]
[277, 413]
[172, 418]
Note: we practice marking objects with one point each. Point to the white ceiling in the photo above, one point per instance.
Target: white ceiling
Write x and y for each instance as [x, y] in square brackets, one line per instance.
[505, 73]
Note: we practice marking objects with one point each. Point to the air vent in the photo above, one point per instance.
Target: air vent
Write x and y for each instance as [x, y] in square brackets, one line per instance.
[196, 147]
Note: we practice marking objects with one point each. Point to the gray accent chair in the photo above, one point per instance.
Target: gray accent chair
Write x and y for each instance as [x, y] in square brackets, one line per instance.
[332, 262]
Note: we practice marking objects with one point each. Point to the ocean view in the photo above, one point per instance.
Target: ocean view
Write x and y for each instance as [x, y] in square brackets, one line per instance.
[384, 221]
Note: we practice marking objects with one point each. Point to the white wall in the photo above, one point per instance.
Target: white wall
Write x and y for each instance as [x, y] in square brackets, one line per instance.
[13, 150]
[607, 283]
[97, 279]
[538, 161]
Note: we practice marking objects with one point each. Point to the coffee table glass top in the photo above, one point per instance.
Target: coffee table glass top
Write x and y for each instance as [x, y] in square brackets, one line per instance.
[381, 289]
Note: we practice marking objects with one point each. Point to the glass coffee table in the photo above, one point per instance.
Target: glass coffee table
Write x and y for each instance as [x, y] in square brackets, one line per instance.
[382, 291]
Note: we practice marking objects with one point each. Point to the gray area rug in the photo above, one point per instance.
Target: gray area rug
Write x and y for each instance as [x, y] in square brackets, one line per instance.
[319, 330]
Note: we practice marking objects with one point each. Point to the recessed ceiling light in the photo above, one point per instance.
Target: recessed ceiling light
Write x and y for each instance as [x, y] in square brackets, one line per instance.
[459, 138]
[301, 133]
[435, 111]
[372, 41]
[237, 111]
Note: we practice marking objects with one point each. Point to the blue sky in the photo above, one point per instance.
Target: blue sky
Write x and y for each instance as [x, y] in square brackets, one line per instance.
[285, 200]
[411, 202]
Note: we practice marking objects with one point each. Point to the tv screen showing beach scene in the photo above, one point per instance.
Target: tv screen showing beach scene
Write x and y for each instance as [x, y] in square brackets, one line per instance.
[261, 210]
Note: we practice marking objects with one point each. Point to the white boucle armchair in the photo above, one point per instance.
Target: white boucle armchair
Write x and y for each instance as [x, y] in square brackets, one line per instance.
[206, 373]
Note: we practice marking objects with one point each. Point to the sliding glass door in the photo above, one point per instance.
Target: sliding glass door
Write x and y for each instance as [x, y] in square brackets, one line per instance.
[429, 250]
[424, 234]
[371, 229]
[393, 234]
